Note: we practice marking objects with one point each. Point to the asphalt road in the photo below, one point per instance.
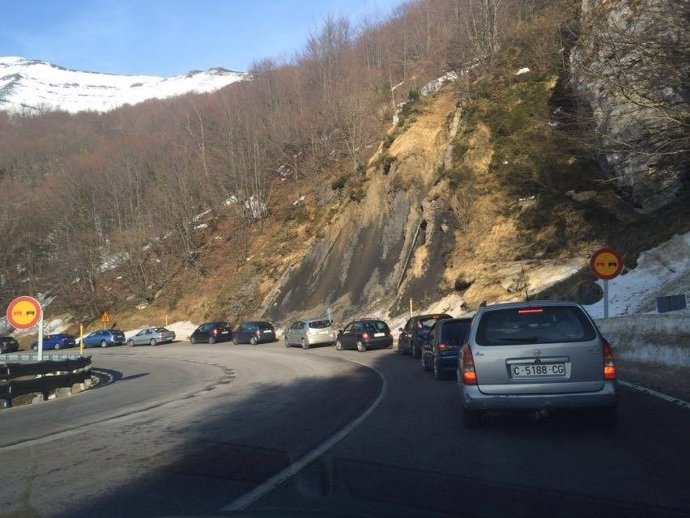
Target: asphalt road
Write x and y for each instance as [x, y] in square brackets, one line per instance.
[181, 430]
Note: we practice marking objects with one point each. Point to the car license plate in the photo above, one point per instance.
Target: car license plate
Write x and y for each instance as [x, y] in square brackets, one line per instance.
[267, 331]
[537, 370]
[224, 332]
[378, 335]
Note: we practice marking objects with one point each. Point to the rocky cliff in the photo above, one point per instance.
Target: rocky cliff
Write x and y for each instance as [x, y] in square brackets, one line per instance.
[631, 67]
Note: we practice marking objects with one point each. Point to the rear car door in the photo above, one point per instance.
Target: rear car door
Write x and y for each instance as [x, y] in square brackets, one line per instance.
[547, 349]
[404, 338]
[348, 337]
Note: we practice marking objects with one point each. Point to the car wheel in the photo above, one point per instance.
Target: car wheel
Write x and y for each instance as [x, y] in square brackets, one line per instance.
[34, 347]
[212, 339]
[414, 352]
[305, 344]
[104, 343]
[130, 342]
[252, 340]
[471, 418]
[338, 345]
[425, 364]
[235, 341]
[360, 346]
[287, 344]
[57, 347]
[438, 373]
[192, 340]
[153, 341]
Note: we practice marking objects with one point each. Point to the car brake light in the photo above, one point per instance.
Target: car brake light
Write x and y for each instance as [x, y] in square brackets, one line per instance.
[215, 331]
[609, 365]
[530, 311]
[365, 336]
[258, 332]
[419, 325]
[469, 375]
[442, 347]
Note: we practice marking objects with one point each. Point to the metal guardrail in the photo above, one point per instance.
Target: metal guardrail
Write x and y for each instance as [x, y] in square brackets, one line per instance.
[26, 357]
[30, 376]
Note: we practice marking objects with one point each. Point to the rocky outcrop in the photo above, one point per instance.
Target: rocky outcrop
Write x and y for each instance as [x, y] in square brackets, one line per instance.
[631, 66]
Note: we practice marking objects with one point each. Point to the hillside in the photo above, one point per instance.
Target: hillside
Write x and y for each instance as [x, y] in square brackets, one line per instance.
[274, 200]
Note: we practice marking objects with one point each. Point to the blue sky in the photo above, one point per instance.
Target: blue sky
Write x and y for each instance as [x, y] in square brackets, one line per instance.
[167, 37]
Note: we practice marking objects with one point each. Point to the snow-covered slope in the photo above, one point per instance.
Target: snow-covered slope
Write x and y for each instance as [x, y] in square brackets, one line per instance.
[29, 86]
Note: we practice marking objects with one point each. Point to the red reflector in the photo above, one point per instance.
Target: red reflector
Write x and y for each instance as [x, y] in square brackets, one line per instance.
[215, 331]
[530, 311]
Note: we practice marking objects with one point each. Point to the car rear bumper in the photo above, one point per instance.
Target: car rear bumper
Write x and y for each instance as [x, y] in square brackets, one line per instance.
[474, 399]
[320, 339]
[379, 343]
[447, 363]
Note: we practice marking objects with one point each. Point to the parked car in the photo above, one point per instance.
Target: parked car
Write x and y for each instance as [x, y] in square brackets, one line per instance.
[364, 334]
[8, 345]
[151, 336]
[440, 349]
[414, 333]
[536, 356]
[56, 341]
[104, 338]
[306, 333]
[211, 332]
[254, 333]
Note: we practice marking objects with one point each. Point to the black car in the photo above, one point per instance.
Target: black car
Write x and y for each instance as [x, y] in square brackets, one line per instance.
[364, 334]
[254, 333]
[8, 345]
[441, 348]
[414, 333]
[211, 332]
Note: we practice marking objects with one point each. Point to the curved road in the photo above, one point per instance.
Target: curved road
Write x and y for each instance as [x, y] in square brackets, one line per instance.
[182, 430]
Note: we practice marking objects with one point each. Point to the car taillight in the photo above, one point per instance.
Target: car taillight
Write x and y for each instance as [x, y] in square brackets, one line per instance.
[469, 375]
[258, 332]
[609, 365]
[215, 331]
[443, 347]
[365, 336]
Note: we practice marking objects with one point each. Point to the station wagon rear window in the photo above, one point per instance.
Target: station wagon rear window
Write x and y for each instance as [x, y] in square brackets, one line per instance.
[320, 324]
[534, 325]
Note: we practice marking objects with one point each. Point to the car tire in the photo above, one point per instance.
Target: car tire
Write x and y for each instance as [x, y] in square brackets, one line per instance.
[305, 344]
[338, 345]
[192, 340]
[361, 347]
[252, 340]
[57, 347]
[425, 364]
[471, 418]
[416, 354]
[104, 343]
[439, 375]
[153, 342]
[130, 342]
[212, 339]
[287, 344]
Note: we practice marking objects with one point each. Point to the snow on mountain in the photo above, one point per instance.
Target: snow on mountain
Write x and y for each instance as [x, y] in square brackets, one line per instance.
[30, 86]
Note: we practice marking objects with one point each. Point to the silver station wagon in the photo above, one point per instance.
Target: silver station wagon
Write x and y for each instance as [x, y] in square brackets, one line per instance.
[305, 333]
[536, 356]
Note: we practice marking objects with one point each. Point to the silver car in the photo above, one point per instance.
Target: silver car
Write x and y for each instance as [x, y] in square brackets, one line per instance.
[306, 333]
[151, 336]
[536, 356]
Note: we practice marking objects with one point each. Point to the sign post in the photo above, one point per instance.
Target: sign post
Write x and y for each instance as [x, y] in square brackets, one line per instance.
[81, 339]
[24, 313]
[105, 319]
[606, 264]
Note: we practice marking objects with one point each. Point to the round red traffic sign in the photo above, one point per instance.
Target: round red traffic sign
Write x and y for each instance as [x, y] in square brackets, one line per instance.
[606, 264]
[24, 312]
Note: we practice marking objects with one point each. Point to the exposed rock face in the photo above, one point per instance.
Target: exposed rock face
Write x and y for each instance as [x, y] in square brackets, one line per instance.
[631, 67]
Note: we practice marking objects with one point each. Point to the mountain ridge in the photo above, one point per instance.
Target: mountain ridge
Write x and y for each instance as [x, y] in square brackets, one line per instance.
[30, 86]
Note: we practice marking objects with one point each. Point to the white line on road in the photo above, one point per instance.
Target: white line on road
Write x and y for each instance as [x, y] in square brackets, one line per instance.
[269, 485]
[654, 393]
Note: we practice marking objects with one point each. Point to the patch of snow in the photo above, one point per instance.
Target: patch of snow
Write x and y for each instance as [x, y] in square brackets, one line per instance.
[438, 83]
[201, 226]
[199, 216]
[523, 70]
[298, 201]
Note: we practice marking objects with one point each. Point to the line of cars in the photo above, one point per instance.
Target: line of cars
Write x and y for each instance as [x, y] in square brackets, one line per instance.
[539, 356]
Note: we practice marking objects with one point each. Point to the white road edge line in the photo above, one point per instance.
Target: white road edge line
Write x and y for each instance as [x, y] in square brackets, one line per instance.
[270, 484]
[654, 393]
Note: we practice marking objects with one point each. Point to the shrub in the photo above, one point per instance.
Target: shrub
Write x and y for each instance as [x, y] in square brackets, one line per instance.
[339, 183]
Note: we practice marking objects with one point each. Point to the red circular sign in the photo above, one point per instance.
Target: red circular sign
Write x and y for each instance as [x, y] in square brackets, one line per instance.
[24, 312]
[606, 264]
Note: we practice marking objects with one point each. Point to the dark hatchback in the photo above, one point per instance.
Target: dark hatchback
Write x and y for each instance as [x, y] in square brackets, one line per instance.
[441, 348]
[254, 333]
[364, 334]
[8, 345]
[211, 332]
[416, 329]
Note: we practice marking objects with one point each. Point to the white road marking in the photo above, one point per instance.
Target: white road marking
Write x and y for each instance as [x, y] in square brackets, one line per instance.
[654, 393]
[269, 485]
